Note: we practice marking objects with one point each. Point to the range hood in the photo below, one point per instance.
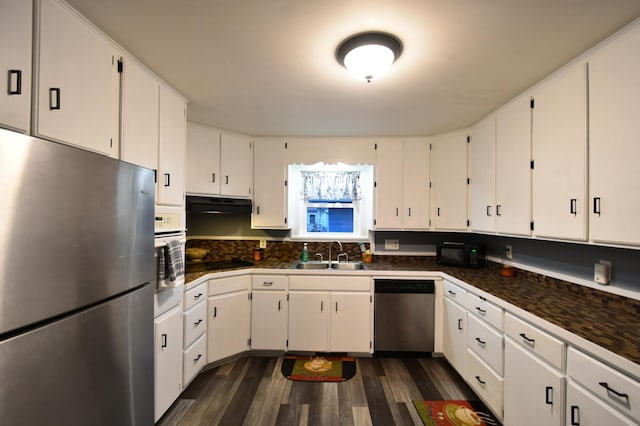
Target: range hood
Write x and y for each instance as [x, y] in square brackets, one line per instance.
[218, 205]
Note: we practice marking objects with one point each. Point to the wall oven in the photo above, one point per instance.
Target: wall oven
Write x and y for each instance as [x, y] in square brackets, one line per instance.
[169, 225]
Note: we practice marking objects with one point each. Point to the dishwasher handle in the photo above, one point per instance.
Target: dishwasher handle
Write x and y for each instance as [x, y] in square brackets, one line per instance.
[405, 286]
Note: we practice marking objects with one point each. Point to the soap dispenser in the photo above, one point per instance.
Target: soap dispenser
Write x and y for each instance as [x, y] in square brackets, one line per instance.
[305, 253]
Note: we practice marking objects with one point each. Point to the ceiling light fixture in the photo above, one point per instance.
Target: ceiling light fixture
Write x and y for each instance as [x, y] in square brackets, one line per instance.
[369, 55]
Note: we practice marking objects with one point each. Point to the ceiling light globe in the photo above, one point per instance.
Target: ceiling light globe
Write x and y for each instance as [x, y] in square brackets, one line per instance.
[369, 61]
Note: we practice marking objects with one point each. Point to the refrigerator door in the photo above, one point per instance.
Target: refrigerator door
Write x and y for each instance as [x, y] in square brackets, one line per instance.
[75, 228]
[92, 368]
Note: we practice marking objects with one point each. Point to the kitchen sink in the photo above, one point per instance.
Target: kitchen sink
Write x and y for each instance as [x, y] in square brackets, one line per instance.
[342, 266]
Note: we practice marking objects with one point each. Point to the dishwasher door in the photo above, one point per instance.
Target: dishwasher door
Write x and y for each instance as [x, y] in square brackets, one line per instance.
[404, 316]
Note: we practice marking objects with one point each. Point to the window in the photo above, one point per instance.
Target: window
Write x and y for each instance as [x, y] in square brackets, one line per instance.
[330, 201]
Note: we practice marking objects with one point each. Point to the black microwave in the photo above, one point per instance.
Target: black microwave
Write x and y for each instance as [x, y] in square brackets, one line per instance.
[460, 254]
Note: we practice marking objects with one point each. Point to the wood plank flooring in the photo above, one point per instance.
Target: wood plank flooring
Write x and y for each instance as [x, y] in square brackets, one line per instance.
[253, 391]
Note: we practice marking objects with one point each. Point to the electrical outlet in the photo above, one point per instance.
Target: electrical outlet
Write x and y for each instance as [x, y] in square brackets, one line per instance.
[391, 245]
[263, 244]
[508, 252]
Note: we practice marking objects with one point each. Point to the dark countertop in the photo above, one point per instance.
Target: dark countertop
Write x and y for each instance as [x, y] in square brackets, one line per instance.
[608, 320]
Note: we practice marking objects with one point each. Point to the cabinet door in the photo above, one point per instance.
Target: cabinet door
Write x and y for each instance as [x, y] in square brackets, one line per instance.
[559, 148]
[309, 321]
[229, 325]
[203, 158]
[78, 99]
[415, 185]
[236, 165]
[455, 335]
[482, 157]
[15, 64]
[614, 140]
[269, 316]
[140, 108]
[513, 169]
[584, 409]
[269, 184]
[449, 182]
[387, 185]
[351, 322]
[168, 359]
[172, 147]
[533, 391]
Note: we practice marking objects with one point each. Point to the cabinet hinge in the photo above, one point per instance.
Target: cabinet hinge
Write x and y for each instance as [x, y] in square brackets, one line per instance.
[286, 182]
[468, 139]
[374, 222]
[285, 220]
[375, 184]
[429, 222]
[120, 66]
[533, 103]
[370, 299]
[370, 344]
[287, 343]
[110, 142]
[287, 301]
[249, 342]
[532, 225]
[532, 164]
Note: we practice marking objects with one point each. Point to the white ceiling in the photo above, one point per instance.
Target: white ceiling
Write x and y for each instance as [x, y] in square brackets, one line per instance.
[267, 67]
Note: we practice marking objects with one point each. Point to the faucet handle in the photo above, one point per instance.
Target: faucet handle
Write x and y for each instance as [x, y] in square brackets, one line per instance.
[319, 254]
[346, 256]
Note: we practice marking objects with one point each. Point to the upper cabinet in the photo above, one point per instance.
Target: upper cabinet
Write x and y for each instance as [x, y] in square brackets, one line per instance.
[16, 17]
[614, 140]
[171, 148]
[482, 158]
[449, 181]
[513, 168]
[236, 167]
[402, 185]
[77, 82]
[269, 184]
[559, 153]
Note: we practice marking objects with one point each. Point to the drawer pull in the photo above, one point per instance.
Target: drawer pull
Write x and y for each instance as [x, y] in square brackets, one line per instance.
[198, 296]
[451, 292]
[196, 359]
[267, 283]
[548, 397]
[481, 342]
[575, 415]
[527, 339]
[197, 323]
[215, 311]
[482, 383]
[279, 305]
[482, 311]
[484, 299]
[613, 391]
[459, 323]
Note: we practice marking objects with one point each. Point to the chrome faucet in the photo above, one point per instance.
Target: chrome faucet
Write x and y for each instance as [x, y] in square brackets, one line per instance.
[330, 245]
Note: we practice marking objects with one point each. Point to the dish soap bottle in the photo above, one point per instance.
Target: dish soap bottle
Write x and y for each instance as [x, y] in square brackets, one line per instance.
[305, 253]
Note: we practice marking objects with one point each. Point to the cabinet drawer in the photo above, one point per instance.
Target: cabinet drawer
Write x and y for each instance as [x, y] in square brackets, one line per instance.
[486, 310]
[485, 382]
[585, 409]
[229, 285]
[615, 388]
[195, 295]
[536, 340]
[193, 359]
[269, 282]
[454, 292]
[329, 283]
[195, 323]
[487, 343]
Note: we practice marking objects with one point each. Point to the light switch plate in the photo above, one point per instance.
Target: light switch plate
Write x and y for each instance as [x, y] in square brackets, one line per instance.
[602, 272]
[263, 244]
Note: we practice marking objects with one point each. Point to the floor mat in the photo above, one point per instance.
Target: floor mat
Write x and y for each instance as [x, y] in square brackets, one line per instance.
[318, 368]
[454, 413]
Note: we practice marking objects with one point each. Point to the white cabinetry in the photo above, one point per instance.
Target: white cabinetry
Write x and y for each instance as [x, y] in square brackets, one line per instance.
[203, 158]
[449, 181]
[585, 409]
[15, 64]
[168, 359]
[402, 165]
[269, 312]
[229, 317]
[454, 345]
[614, 140]
[236, 166]
[513, 168]
[195, 328]
[482, 157]
[171, 148]
[559, 148]
[330, 314]
[269, 184]
[78, 84]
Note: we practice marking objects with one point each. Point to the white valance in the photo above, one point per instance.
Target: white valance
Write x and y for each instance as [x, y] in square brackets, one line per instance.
[331, 186]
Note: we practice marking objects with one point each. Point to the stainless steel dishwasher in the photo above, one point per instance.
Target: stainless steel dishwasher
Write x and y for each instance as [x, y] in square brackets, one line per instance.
[404, 315]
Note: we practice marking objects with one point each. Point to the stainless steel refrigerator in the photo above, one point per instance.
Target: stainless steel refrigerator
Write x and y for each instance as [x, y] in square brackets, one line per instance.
[76, 303]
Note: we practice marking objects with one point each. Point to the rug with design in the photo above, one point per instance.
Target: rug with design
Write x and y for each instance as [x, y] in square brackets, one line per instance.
[319, 368]
[454, 413]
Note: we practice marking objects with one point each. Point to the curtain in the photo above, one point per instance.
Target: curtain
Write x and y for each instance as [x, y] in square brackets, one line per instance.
[330, 186]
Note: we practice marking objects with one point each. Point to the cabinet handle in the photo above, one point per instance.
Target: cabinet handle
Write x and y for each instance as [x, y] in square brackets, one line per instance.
[575, 415]
[596, 205]
[197, 296]
[527, 339]
[409, 211]
[336, 306]
[451, 292]
[197, 323]
[18, 80]
[482, 311]
[498, 213]
[488, 210]
[215, 311]
[54, 98]
[167, 179]
[321, 306]
[548, 397]
[258, 210]
[613, 391]
[279, 302]
[226, 180]
[397, 212]
[459, 323]
[438, 211]
[213, 178]
[481, 342]
[573, 206]
[164, 340]
[267, 283]
[482, 383]
[197, 358]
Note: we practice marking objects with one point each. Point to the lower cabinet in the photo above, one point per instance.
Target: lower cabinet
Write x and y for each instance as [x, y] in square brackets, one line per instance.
[584, 409]
[168, 359]
[454, 336]
[229, 317]
[350, 322]
[308, 321]
[269, 314]
[485, 382]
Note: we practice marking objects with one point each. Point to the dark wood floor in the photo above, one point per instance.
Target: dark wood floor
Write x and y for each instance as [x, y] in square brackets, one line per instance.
[253, 391]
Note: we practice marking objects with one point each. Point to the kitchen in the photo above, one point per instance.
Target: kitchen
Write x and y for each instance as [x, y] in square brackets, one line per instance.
[142, 118]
